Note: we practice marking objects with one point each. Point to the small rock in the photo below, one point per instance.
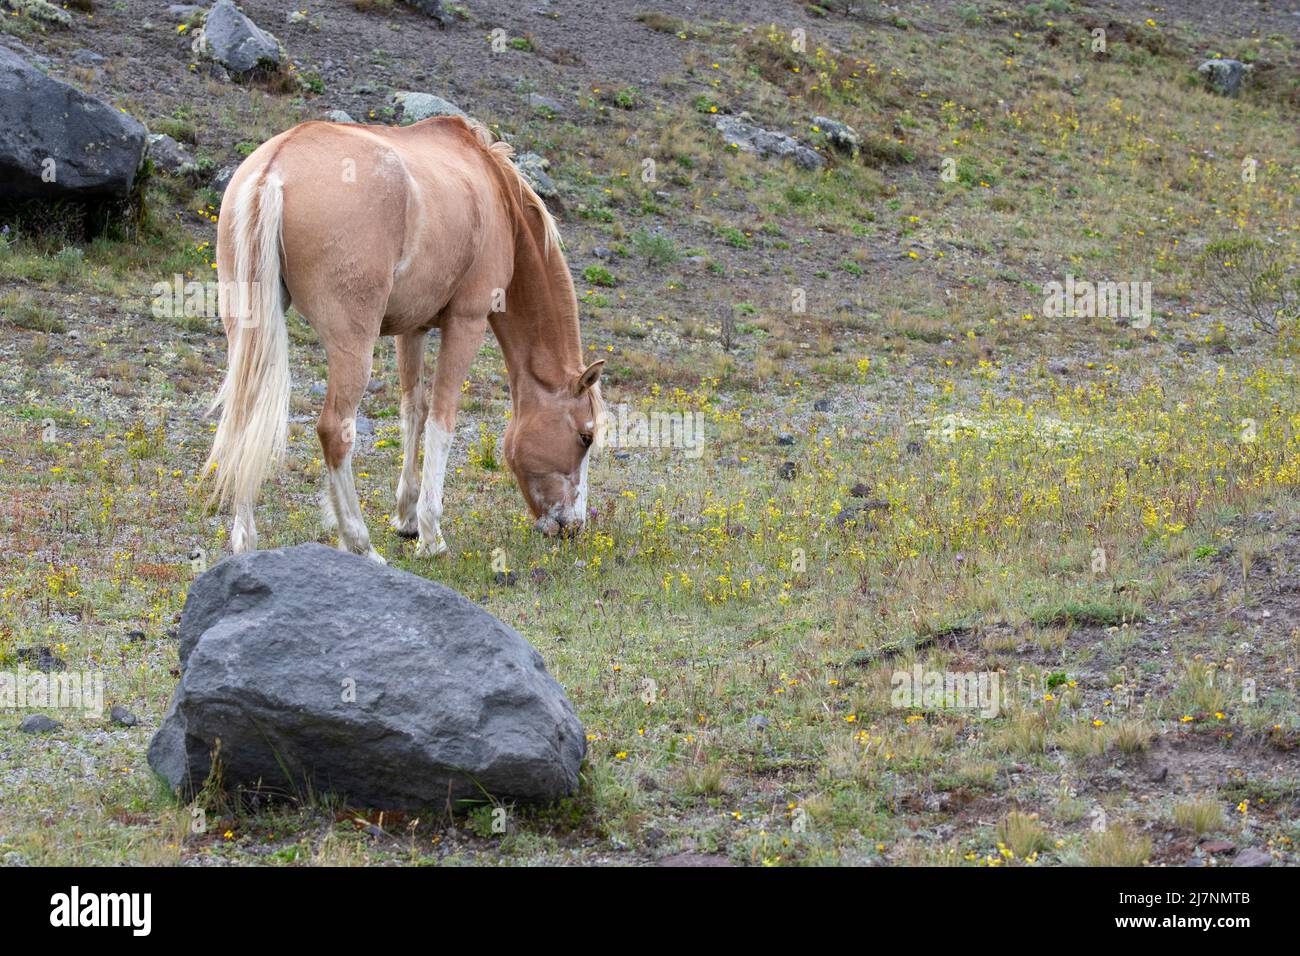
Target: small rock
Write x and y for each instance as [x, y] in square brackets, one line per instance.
[1223, 76]
[860, 490]
[222, 179]
[39, 724]
[1253, 856]
[759, 723]
[1217, 846]
[539, 575]
[694, 860]
[534, 169]
[822, 405]
[788, 471]
[746, 137]
[544, 104]
[170, 156]
[122, 717]
[86, 58]
[841, 136]
[785, 438]
[339, 116]
[421, 106]
[506, 578]
[42, 658]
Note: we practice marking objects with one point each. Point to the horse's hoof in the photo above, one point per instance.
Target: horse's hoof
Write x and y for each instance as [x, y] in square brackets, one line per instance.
[403, 533]
[425, 550]
[405, 530]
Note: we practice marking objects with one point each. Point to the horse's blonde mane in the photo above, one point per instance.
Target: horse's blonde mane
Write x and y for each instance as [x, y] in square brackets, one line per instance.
[501, 151]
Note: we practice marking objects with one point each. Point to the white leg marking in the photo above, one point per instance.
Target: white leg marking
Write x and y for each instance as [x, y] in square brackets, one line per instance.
[328, 517]
[408, 488]
[437, 447]
[353, 534]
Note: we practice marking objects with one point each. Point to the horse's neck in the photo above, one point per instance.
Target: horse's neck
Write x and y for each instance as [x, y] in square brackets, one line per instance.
[538, 331]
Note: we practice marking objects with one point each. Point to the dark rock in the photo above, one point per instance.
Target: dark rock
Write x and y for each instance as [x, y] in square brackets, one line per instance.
[122, 717]
[506, 578]
[822, 405]
[58, 143]
[39, 724]
[42, 658]
[322, 671]
[785, 438]
[788, 471]
[860, 490]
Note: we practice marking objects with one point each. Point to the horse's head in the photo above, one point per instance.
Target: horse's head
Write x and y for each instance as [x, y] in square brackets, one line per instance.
[547, 444]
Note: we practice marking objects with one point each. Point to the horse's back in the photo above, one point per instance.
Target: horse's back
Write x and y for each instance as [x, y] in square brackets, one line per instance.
[381, 217]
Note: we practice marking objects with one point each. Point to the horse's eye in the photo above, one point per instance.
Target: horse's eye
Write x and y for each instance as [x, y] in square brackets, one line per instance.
[586, 439]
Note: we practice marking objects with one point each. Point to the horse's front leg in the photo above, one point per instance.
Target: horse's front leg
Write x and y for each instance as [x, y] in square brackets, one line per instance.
[461, 338]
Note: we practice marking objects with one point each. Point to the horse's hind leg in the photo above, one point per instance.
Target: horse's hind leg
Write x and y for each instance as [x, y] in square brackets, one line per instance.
[349, 372]
[415, 409]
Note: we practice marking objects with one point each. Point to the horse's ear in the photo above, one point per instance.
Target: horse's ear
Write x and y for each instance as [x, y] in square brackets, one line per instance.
[588, 377]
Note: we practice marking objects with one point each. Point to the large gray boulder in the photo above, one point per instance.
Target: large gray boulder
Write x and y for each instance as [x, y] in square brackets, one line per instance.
[743, 135]
[323, 672]
[236, 42]
[58, 143]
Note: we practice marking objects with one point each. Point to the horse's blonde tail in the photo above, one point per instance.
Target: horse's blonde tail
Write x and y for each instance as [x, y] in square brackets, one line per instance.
[254, 398]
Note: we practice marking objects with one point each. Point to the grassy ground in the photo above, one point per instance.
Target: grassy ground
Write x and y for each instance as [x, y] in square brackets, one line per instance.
[1100, 512]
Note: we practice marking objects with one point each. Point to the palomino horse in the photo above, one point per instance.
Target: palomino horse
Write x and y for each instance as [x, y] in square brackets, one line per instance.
[374, 231]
